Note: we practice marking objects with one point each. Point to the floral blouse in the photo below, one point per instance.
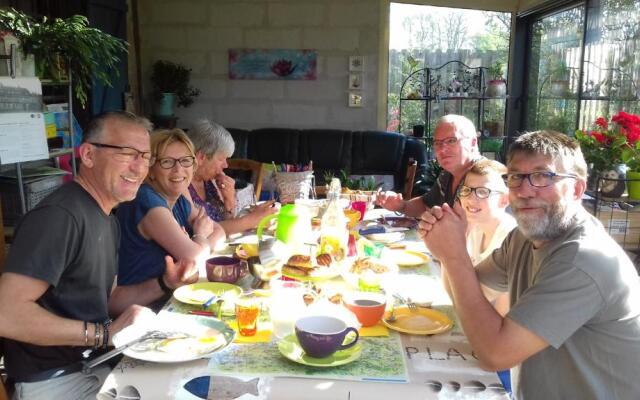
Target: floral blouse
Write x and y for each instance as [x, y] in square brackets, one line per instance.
[213, 204]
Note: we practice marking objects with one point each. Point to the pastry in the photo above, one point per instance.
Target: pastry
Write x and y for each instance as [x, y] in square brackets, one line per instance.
[324, 259]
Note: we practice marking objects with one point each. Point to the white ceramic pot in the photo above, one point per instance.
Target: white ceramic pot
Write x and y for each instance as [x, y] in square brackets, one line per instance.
[496, 88]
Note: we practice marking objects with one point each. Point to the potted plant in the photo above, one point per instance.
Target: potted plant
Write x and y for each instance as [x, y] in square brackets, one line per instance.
[560, 77]
[494, 118]
[613, 152]
[67, 44]
[171, 87]
[496, 86]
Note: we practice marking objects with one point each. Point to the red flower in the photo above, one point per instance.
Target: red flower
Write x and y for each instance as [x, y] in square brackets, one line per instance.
[602, 123]
[598, 136]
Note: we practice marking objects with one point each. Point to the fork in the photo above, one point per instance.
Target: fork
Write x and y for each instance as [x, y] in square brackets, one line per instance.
[87, 366]
[413, 307]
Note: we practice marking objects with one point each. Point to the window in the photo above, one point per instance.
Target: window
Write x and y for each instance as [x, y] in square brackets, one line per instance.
[426, 36]
[576, 75]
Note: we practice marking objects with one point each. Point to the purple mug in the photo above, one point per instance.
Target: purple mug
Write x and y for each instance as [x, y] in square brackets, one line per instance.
[225, 269]
[320, 336]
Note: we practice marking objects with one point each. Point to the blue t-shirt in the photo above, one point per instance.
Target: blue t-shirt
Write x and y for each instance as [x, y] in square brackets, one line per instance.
[141, 259]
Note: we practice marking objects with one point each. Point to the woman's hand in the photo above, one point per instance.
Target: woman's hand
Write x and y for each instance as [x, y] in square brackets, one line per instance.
[226, 186]
[263, 210]
[202, 224]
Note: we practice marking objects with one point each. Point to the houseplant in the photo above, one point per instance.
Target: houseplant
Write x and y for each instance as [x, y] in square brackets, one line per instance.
[70, 43]
[496, 86]
[611, 149]
[171, 87]
[559, 77]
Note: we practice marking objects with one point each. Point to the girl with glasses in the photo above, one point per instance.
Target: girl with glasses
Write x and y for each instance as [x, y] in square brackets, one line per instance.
[483, 196]
[161, 221]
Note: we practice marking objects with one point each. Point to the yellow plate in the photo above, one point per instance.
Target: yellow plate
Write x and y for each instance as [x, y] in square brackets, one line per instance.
[198, 293]
[424, 321]
[408, 258]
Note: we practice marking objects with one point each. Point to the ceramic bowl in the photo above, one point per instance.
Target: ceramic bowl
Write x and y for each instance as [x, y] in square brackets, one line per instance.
[367, 306]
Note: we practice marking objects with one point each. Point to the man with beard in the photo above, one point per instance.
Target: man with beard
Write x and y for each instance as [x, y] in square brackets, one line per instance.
[573, 330]
[456, 146]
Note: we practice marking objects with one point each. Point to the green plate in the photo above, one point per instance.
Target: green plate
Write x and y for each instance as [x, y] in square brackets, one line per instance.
[290, 348]
[198, 293]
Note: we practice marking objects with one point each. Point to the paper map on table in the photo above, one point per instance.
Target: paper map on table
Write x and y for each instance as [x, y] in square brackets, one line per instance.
[381, 360]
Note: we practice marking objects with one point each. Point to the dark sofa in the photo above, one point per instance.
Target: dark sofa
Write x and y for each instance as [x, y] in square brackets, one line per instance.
[358, 152]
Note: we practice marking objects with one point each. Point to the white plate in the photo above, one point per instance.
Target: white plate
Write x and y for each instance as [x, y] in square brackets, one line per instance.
[212, 332]
[388, 237]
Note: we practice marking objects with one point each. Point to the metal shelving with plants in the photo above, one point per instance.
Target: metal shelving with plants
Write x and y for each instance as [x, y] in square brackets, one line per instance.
[454, 87]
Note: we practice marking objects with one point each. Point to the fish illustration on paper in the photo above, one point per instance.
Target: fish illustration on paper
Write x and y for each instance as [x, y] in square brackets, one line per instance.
[218, 388]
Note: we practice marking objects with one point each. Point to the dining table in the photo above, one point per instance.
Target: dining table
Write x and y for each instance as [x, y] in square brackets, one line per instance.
[392, 364]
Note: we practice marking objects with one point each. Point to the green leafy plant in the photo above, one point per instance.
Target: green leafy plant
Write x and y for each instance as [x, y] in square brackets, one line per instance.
[70, 43]
[170, 77]
[495, 71]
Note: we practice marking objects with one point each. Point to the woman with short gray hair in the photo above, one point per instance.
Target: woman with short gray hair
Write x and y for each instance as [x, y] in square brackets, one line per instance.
[211, 188]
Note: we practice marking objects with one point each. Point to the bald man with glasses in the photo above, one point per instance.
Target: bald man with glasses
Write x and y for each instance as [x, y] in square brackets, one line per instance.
[573, 328]
[456, 146]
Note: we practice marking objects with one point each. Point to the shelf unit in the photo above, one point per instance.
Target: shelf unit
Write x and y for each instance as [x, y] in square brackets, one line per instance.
[53, 153]
[453, 84]
[620, 216]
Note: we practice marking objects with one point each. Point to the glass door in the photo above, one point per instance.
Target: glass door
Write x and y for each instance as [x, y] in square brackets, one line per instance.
[553, 75]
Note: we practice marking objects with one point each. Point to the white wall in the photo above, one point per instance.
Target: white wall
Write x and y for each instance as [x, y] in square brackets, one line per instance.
[198, 33]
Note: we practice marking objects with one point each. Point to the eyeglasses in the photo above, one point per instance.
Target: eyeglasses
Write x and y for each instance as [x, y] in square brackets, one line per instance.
[480, 192]
[168, 162]
[536, 179]
[448, 142]
[126, 154]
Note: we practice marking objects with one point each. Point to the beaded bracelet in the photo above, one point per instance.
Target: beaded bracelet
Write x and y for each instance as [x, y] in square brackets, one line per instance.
[105, 330]
[96, 338]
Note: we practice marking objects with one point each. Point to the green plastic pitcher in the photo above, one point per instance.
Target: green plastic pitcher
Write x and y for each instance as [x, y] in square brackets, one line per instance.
[294, 224]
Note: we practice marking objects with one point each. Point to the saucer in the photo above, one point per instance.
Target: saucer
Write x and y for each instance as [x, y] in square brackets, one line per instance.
[290, 348]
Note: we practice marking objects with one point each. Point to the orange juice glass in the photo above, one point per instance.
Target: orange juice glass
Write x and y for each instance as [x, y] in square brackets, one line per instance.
[247, 312]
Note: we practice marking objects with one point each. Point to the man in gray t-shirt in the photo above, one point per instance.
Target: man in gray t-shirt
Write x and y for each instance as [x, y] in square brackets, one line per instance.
[573, 330]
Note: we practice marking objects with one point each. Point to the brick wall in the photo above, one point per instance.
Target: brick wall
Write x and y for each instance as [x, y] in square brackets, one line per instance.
[198, 33]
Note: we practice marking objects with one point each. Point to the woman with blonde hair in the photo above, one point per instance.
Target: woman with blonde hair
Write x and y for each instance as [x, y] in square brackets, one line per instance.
[160, 221]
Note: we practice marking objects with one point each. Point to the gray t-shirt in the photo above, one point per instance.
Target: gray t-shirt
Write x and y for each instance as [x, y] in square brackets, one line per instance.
[581, 294]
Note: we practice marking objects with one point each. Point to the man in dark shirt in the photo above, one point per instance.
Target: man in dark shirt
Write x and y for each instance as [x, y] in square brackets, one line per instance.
[59, 274]
[456, 145]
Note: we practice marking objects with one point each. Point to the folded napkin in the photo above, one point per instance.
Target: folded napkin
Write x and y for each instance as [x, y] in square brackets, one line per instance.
[377, 330]
[262, 336]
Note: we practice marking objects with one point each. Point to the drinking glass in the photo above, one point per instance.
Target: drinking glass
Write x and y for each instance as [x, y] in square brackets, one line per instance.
[247, 312]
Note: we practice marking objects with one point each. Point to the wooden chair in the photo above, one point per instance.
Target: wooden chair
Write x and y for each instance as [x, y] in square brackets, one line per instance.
[409, 178]
[249, 165]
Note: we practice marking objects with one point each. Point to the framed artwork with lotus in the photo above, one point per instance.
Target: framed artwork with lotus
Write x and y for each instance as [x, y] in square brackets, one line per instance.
[289, 64]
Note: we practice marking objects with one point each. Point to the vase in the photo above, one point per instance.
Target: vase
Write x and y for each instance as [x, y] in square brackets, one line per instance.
[592, 178]
[633, 184]
[496, 88]
[612, 182]
[165, 107]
